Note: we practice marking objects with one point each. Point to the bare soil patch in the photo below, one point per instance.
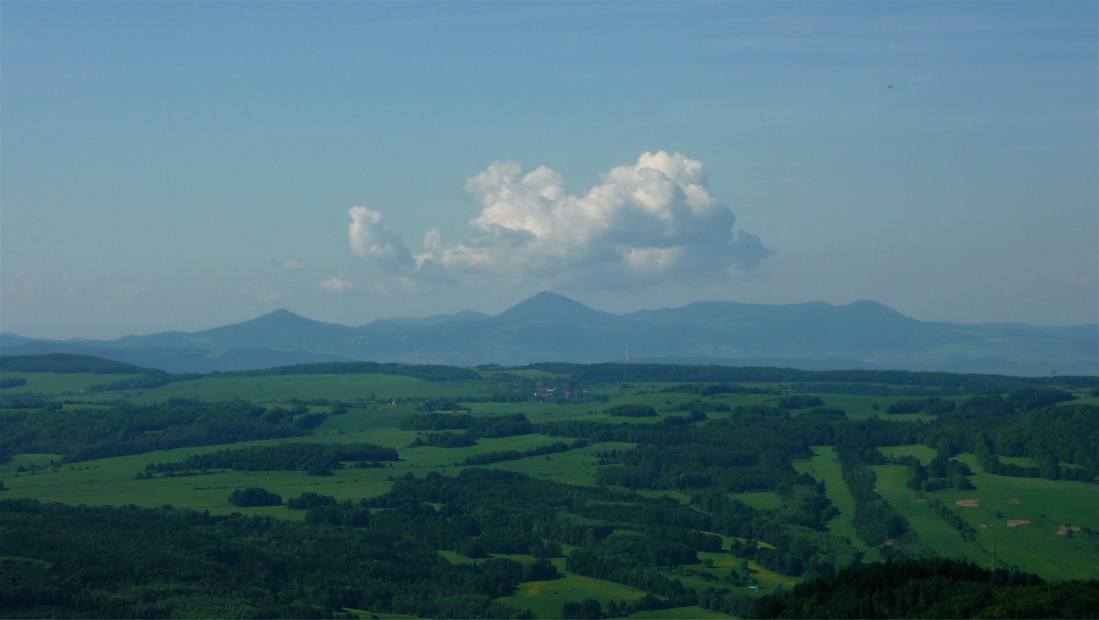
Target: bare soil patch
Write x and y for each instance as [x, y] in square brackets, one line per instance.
[889, 542]
[1015, 501]
[1017, 522]
[985, 526]
[969, 503]
[1064, 529]
[922, 500]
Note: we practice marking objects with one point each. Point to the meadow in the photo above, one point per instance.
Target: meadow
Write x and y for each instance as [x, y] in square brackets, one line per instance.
[826, 468]
[1019, 518]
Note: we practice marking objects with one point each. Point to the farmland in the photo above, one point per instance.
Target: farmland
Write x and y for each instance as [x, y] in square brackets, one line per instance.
[772, 523]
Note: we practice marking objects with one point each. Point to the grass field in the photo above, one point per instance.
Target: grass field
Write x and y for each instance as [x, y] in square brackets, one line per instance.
[723, 564]
[1021, 461]
[933, 531]
[922, 453]
[111, 481]
[380, 616]
[859, 407]
[680, 612]
[304, 387]
[572, 467]
[546, 598]
[1034, 546]
[825, 466]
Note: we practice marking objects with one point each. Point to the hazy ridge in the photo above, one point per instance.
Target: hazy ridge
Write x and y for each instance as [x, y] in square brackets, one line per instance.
[551, 327]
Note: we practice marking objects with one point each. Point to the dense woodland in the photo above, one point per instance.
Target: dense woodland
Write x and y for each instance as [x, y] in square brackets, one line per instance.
[311, 457]
[381, 554]
[137, 563]
[932, 588]
[95, 433]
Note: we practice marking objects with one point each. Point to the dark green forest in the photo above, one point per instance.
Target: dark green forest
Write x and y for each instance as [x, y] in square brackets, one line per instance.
[931, 588]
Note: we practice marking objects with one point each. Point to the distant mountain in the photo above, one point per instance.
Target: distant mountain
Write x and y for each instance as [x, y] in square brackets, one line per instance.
[551, 327]
[551, 308]
[176, 360]
[279, 330]
[8, 339]
[820, 327]
[429, 321]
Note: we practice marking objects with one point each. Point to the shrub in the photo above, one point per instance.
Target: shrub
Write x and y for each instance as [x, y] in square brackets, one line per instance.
[254, 496]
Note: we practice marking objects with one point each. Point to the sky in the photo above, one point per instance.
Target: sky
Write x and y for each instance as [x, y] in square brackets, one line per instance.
[185, 165]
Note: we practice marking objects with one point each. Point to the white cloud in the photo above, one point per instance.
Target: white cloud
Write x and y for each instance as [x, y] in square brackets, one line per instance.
[370, 238]
[337, 285]
[647, 223]
[293, 264]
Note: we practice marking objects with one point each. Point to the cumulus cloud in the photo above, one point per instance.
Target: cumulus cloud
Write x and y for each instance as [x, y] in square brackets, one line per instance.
[337, 285]
[293, 264]
[645, 223]
[371, 238]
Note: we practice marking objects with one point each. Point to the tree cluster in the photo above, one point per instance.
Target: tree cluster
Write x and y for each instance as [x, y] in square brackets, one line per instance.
[497, 456]
[86, 434]
[281, 457]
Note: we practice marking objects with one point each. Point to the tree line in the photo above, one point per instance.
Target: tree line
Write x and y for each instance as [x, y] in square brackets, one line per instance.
[88, 434]
[282, 457]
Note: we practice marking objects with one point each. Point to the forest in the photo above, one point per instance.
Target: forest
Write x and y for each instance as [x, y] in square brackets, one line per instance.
[689, 491]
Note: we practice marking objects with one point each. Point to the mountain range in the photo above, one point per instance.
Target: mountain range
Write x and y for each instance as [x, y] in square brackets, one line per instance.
[551, 327]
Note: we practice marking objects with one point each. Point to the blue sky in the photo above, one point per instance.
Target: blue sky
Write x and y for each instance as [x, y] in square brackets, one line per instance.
[183, 165]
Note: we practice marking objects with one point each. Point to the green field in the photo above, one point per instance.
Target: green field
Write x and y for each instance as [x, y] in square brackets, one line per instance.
[1021, 461]
[110, 481]
[680, 612]
[303, 387]
[545, 598]
[1034, 546]
[922, 453]
[1021, 517]
[825, 467]
[860, 407]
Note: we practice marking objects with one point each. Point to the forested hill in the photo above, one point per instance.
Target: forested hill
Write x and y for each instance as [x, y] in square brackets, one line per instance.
[853, 381]
[961, 383]
[70, 363]
[931, 588]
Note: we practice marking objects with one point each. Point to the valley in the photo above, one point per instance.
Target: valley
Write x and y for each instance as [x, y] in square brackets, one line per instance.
[733, 489]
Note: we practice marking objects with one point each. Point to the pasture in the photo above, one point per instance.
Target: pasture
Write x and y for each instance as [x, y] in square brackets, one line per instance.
[1020, 516]
[825, 467]
[923, 454]
[369, 387]
[680, 612]
[1029, 522]
[546, 598]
